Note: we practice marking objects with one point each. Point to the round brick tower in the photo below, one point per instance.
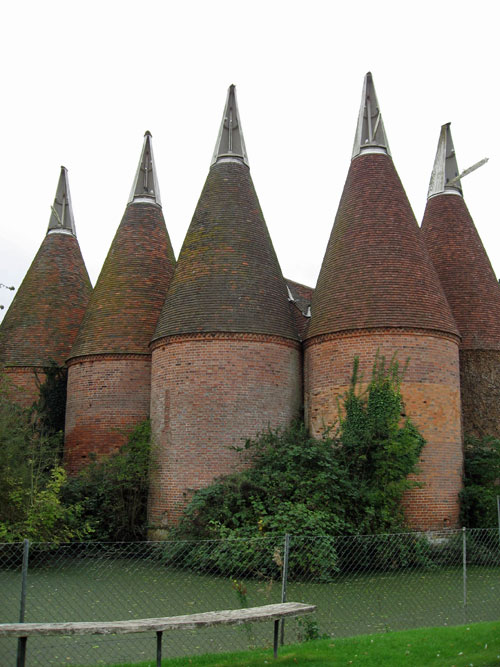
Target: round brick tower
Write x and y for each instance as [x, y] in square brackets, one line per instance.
[43, 319]
[109, 372]
[471, 288]
[226, 355]
[378, 292]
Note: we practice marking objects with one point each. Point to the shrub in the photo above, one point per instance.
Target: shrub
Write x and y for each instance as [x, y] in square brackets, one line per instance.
[31, 480]
[350, 481]
[113, 492]
[478, 504]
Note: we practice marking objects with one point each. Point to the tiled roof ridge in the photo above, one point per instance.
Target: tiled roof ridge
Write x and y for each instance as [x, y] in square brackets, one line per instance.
[300, 285]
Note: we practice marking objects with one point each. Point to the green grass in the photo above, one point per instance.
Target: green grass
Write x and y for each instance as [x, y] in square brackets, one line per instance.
[460, 646]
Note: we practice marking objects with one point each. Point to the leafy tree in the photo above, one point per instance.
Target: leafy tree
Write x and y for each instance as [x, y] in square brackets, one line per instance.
[31, 480]
[478, 507]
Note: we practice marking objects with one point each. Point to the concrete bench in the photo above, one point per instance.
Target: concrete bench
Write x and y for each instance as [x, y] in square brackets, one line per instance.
[270, 612]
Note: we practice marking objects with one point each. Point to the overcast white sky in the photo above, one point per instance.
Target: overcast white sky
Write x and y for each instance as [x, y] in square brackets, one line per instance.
[82, 81]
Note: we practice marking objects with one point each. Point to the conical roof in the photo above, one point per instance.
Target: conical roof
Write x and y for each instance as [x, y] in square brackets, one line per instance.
[227, 278]
[43, 319]
[134, 279]
[376, 272]
[461, 262]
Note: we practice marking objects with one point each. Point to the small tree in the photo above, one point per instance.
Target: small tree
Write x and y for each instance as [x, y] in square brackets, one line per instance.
[31, 480]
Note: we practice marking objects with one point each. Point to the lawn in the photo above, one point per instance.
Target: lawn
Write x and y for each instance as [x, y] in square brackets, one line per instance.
[476, 645]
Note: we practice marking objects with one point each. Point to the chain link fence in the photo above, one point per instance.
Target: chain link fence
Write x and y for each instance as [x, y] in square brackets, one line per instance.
[360, 584]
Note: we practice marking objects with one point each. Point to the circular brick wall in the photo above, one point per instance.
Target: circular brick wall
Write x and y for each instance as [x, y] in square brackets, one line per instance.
[107, 397]
[431, 393]
[209, 393]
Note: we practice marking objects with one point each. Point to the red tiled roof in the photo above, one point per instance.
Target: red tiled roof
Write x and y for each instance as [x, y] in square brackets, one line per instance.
[43, 319]
[131, 288]
[301, 305]
[227, 278]
[464, 269]
[376, 271]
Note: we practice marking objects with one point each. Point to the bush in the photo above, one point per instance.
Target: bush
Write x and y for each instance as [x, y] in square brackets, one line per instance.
[478, 503]
[31, 480]
[347, 482]
[50, 409]
[113, 492]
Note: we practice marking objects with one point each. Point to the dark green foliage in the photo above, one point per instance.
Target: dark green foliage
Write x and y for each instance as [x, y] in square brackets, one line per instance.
[350, 482]
[481, 474]
[308, 629]
[107, 501]
[50, 408]
[31, 480]
[113, 492]
[294, 485]
[380, 447]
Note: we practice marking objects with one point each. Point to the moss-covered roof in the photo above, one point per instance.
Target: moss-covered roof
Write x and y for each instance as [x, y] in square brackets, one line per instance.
[376, 271]
[464, 269]
[131, 287]
[44, 317]
[227, 278]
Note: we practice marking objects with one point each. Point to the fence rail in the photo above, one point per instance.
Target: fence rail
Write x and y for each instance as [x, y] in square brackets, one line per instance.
[358, 583]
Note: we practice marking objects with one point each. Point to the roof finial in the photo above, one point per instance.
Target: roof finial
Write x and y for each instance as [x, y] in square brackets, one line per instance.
[61, 218]
[230, 143]
[445, 167]
[145, 186]
[370, 133]
[445, 177]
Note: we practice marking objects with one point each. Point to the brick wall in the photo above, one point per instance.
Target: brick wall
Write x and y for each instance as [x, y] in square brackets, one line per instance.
[480, 384]
[23, 387]
[107, 396]
[210, 392]
[432, 397]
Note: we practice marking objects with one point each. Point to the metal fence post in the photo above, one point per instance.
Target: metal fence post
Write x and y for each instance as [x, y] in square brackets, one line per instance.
[21, 642]
[464, 567]
[284, 581]
[498, 514]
